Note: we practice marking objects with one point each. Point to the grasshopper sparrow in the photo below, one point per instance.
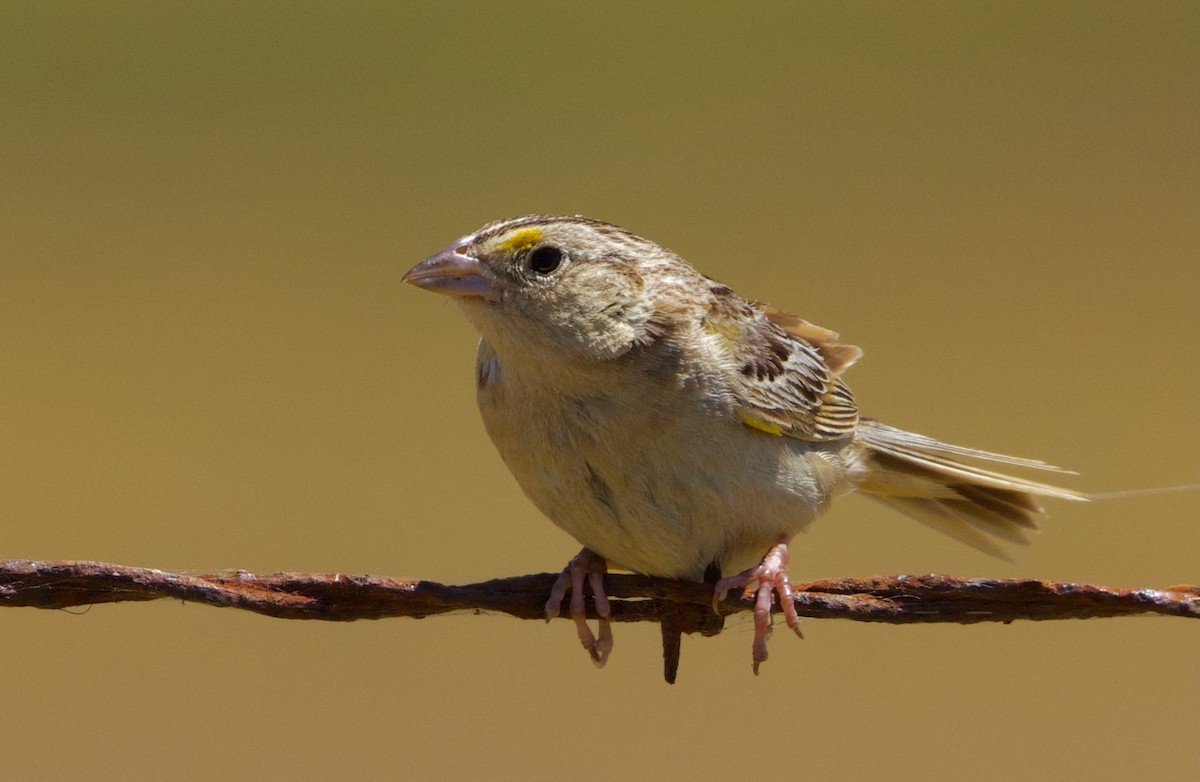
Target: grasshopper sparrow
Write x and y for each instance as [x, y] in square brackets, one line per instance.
[677, 429]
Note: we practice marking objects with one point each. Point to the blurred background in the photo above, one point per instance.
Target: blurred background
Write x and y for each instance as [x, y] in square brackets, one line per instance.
[207, 361]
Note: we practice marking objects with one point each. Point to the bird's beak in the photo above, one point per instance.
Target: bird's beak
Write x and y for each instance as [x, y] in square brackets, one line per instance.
[452, 272]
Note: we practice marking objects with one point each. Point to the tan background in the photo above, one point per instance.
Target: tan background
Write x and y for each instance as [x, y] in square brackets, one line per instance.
[207, 361]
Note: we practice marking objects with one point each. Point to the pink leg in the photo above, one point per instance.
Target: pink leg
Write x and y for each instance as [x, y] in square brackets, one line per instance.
[586, 564]
[764, 580]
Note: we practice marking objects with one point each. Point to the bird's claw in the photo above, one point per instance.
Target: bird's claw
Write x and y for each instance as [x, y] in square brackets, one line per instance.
[589, 566]
[764, 580]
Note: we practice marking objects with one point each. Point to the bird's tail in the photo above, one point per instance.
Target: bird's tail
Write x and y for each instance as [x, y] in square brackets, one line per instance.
[932, 482]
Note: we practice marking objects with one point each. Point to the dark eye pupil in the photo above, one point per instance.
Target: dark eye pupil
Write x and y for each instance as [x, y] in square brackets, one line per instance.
[545, 259]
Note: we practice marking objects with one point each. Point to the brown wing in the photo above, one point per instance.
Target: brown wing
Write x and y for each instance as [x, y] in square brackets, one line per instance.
[785, 371]
[838, 356]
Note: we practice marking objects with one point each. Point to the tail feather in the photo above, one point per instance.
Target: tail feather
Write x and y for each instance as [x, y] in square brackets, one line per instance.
[918, 476]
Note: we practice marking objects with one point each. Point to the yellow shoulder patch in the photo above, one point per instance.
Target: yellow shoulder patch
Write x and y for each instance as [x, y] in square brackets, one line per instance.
[521, 238]
[761, 425]
[727, 330]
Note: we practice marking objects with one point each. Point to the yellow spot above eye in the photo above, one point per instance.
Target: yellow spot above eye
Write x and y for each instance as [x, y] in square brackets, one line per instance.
[761, 425]
[521, 238]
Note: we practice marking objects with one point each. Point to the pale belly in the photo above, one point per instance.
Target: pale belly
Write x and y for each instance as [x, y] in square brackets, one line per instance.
[661, 492]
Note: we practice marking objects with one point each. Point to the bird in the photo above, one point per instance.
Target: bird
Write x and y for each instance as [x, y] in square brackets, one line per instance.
[677, 429]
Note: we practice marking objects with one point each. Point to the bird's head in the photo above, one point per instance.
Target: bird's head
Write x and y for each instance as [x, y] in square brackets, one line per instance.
[576, 287]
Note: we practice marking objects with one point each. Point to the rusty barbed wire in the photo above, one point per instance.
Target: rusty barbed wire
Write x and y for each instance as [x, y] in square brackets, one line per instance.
[679, 606]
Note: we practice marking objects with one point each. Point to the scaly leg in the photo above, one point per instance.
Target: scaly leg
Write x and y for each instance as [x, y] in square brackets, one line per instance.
[590, 565]
[764, 580]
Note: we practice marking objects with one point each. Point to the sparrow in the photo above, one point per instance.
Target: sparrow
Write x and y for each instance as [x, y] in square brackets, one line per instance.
[677, 429]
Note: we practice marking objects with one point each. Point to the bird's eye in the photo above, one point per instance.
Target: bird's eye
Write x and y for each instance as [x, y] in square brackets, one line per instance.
[545, 259]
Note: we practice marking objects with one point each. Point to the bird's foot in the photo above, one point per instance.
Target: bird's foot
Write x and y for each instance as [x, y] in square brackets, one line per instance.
[764, 580]
[588, 565]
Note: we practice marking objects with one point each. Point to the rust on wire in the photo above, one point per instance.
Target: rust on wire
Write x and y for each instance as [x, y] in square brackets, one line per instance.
[679, 606]
[342, 598]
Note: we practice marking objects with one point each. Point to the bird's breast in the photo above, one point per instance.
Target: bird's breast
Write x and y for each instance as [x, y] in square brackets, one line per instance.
[662, 480]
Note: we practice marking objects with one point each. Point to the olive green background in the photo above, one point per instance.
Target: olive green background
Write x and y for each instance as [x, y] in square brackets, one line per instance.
[207, 361]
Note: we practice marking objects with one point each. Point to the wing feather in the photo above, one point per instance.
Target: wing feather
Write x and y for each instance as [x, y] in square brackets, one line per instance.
[785, 371]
